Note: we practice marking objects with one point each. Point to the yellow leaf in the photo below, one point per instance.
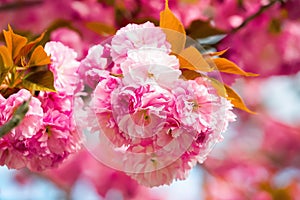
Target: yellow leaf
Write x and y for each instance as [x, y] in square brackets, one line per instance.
[39, 57]
[225, 65]
[101, 28]
[220, 88]
[236, 100]
[39, 81]
[190, 58]
[173, 28]
[14, 42]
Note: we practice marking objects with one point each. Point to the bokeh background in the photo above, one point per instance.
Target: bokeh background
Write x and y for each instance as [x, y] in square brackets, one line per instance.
[260, 155]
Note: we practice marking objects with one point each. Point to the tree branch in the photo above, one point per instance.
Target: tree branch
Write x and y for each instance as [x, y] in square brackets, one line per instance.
[259, 12]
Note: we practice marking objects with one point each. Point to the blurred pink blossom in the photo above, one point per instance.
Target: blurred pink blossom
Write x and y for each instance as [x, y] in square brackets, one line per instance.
[266, 45]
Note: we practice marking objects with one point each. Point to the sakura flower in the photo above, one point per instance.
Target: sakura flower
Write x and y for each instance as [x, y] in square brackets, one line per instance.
[15, 146]
[199, 129]
[101, 107]
[147, 122]
[93, 65]
[156, 124]
[141, 111]
[162, 160]
[44, 138]
[57, 137]
[191, 98]
[64, 67]
[150, 66]
[133, 37]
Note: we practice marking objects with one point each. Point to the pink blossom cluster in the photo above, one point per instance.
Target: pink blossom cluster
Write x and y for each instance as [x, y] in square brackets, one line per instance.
[160, 124]
[47, 134]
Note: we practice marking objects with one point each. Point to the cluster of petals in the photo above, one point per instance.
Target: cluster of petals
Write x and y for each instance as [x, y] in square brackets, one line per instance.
[161, 123]
[47, 135]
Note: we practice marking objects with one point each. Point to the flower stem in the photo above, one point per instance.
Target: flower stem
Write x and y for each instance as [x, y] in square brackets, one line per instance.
[16, 118]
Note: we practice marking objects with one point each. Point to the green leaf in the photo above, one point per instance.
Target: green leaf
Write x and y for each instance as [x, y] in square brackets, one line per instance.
[39, 81]
[203, 29]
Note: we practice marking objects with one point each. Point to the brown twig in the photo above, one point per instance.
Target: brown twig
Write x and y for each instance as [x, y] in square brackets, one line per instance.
[259, 12]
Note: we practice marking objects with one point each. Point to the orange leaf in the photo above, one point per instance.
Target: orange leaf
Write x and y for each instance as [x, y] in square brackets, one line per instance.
[6, 57]
[5, 63]
[173, 28]
[225, 65]
[190, 74]
[190, 58]
[28, 47]
[236, 100]
[218, 53]
[14, 42]
[39, 57]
